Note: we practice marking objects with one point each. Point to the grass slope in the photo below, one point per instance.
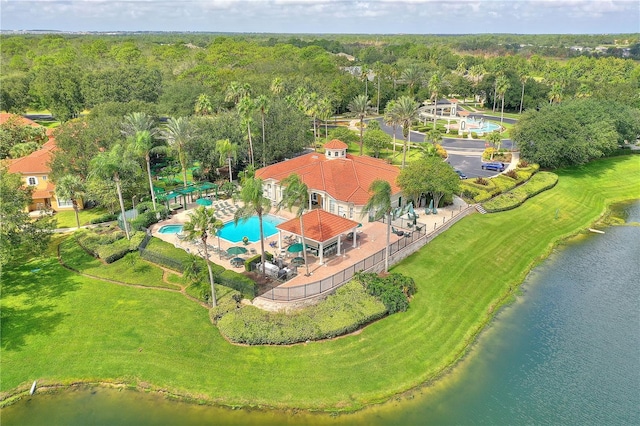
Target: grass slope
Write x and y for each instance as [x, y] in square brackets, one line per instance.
[61, 327]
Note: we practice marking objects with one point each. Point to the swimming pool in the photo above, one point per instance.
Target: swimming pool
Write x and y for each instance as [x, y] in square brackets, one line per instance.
[170, 229]
[250, 229]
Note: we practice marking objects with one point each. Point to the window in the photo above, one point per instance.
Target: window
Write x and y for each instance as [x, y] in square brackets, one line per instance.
[350, 212]
[332, 206]
[328, 153]
[32, 180]
[64, 203]
[44, 177]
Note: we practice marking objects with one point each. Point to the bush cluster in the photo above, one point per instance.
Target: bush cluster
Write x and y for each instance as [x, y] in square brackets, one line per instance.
[480, 189]
[341, 313]
[147, 216]
[108, 217]
[394, 290]
[538, 183]
[109, 243]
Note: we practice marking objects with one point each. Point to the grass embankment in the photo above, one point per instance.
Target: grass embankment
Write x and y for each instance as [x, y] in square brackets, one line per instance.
[67, 218]
[58, 326]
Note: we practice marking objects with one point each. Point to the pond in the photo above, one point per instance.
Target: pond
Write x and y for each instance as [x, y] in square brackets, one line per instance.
[567, 351]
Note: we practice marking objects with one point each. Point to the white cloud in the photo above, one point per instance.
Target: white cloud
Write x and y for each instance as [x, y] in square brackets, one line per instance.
[382, 16]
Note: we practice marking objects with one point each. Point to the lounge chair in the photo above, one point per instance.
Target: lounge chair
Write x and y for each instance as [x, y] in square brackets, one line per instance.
[397, 232]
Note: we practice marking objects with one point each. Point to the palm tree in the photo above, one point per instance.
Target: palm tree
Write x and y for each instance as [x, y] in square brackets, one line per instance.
[494, 139]
[360, 106]
[502, 85]
[246, 108]
[476, 72]
[276, 86]
[404, 111]
[378, 69]
[379, 204]
[202, 223]
[434, 86]
[296, 192]
[431, 138]
[555, 94]
[310, 106]
[228, 152]
[178, 133]
[236, 91]
[110, 165]
[412, 77]
[254, 203]
[390, 120]
[262, 103]
[142, 129]
[364, 76]
[71, 187]
[325, 111]
[203, 105]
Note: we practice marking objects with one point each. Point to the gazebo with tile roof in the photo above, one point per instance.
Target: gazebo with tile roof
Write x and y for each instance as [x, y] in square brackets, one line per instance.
[338, 182]
[322, 231]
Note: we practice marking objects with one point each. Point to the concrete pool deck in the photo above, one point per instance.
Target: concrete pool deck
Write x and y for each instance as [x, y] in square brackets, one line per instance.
[371, 239]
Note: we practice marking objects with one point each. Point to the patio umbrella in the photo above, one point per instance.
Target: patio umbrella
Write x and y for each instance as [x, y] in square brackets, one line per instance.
[298, 261]
[294, 248]
[203, 202]
[236, 250]
[237, 261]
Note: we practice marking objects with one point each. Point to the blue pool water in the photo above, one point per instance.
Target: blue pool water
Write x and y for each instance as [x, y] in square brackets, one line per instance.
[170, 229]
[250, 228]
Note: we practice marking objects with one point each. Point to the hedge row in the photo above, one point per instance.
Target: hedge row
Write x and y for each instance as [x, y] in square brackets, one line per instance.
[341, 313]
[108, 244]
[165, 254]
[478, 193]
[538, 183]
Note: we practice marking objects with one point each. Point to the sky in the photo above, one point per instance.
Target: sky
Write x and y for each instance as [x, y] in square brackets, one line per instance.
[326, 16]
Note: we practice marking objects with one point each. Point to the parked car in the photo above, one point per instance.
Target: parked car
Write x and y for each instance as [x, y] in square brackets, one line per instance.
[498, 167]
[462, 175]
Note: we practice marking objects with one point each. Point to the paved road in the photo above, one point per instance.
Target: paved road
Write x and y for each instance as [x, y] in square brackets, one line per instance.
[464, 154]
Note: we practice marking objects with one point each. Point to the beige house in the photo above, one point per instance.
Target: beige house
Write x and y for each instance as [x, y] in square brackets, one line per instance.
[338, 182]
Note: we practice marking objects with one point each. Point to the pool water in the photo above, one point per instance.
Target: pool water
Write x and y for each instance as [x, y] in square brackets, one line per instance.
[250, 229]
[170, 229]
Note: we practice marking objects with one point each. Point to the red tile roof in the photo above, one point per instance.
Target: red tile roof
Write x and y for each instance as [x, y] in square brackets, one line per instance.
[345, 179]
[319, 225]
[44, 193]
[36, 162]
[336, 144]
[5, 116]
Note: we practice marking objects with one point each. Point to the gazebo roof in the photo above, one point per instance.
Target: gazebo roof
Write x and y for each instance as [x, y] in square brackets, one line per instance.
[319, 225]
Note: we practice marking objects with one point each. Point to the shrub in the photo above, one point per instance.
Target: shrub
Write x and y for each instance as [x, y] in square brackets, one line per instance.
[250, 263]
[393, 290]
[343, 312]
[512, 174]
[538, 183]
[523, 163]
[246, 286]
[108, 217]
[481, 181]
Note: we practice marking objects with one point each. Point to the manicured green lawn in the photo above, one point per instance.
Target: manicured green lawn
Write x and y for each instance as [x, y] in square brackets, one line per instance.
[130, 270]
[67, 218]
[61, 327]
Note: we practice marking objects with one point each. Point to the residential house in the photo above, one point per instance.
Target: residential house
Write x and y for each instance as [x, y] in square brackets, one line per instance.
[35, 171]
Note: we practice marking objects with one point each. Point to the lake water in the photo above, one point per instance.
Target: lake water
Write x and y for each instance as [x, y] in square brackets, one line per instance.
[567, 351]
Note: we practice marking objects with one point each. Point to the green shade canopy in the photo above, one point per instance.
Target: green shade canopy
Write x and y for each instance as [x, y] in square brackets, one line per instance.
[293, 248]
[237, 261]
[236, 250]
[298, 261]
[203, 202]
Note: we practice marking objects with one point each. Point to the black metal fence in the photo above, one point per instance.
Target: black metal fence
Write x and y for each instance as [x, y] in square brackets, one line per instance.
[416, 238]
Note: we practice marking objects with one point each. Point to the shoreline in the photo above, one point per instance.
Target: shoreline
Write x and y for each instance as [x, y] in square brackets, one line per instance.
[17, 394]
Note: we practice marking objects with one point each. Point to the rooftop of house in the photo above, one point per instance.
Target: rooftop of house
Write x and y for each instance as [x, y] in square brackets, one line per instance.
[346, 179]
[319, 225]
[36, 162]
